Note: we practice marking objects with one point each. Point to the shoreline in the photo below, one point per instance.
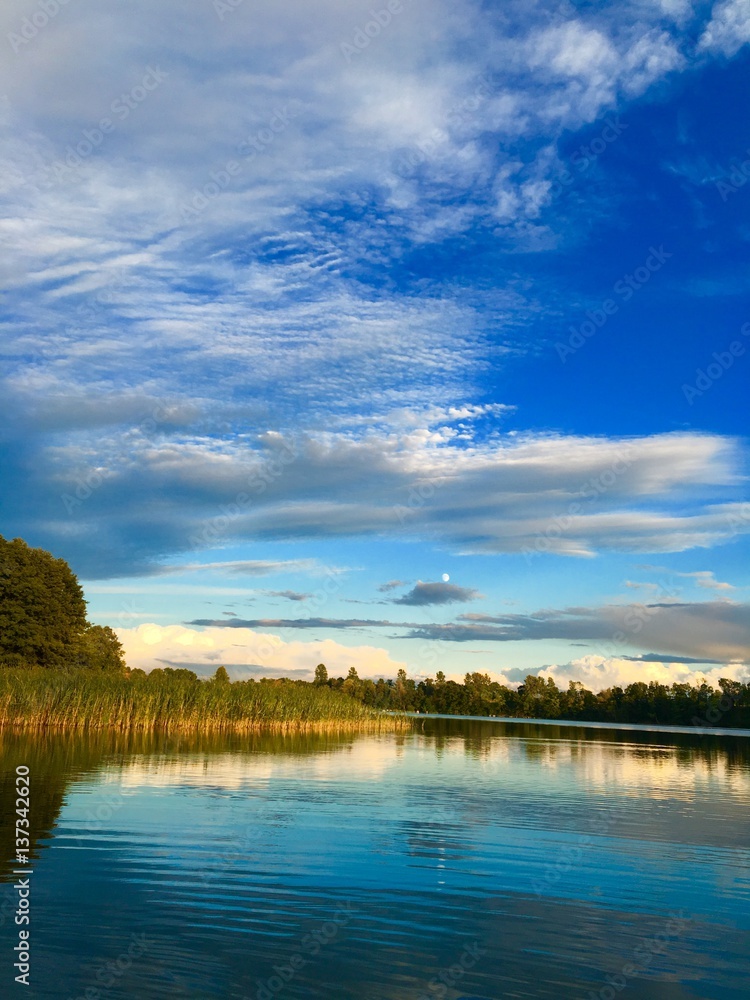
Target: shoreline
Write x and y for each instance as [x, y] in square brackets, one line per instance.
[234, 727]
[640, 727]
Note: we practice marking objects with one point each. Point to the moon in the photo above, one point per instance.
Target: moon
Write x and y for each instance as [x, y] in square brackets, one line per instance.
[446, 577]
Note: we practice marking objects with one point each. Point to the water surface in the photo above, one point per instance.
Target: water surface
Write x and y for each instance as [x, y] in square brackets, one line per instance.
[468, 859]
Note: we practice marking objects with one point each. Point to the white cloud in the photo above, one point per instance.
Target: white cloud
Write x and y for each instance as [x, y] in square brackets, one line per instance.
[340, 129]
[651, 58]
[707, 580]
[461, 480]
[592, 70]
[678, 10]
[703, 578]
[254, 567]
[600, 672]
[261, 310]
[245, 653]
[574, 50]
[729, 28]
[717, 630]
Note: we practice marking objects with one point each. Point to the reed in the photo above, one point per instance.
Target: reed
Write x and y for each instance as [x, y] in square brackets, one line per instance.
[44, 699]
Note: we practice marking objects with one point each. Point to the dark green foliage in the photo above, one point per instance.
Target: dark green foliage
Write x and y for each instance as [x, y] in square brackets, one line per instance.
[43, 616]
[42, 610]
[221, 676]
[540, 698]
[101, 650]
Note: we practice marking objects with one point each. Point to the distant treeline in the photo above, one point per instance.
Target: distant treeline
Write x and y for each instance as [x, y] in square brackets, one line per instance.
[177, 700]
[537, 698]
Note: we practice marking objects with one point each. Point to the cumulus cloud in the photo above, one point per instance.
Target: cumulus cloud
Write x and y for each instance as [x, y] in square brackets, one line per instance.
[599, 672]
[437, 593]
[729, 28]
[245, 652]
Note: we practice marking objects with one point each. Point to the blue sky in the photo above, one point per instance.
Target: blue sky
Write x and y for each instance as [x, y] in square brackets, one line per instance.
[411, 339]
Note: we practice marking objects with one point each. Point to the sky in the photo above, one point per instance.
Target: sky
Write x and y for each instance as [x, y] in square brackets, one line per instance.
[408, 335]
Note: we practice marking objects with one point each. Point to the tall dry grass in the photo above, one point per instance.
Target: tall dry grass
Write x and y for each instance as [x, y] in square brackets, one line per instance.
[45, 699]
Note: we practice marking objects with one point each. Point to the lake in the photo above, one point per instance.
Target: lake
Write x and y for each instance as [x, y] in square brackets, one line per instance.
[469, 859]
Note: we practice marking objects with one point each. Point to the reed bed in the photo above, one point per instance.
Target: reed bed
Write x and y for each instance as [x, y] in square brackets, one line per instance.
[41, 699]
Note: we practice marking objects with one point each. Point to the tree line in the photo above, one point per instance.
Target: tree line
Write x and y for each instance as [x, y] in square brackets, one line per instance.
[540, 698]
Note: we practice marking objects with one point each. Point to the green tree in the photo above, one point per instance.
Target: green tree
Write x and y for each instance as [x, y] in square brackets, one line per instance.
[321, 674]
[101, 650]
[404, 692]
[577, 702]
[221, 676]
[368, 693]
[42, 610]
[183, 674]
[539, 699]
[353, 686]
